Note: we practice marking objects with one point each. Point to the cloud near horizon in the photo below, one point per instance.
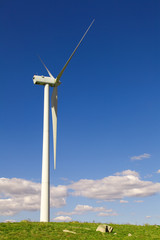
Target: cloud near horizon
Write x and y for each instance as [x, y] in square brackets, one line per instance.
[62, 219]
[22, 195]
[124, 184]
[138, 201]
[83, 209]
[123, 201]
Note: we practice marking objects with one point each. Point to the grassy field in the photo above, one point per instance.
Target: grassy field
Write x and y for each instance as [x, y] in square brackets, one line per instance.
[82, 231]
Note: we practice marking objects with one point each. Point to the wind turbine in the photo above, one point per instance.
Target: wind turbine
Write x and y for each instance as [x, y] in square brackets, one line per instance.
[50, 82]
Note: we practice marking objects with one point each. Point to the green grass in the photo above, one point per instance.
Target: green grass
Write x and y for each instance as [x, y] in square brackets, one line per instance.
[84, 231]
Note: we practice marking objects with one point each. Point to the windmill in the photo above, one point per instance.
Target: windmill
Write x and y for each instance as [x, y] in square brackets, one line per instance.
[50, 81]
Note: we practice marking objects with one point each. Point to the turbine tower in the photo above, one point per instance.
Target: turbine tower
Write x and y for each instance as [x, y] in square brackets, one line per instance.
[50, 82]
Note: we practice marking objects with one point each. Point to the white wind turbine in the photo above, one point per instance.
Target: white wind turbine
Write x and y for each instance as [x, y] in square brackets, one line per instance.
[52, 82]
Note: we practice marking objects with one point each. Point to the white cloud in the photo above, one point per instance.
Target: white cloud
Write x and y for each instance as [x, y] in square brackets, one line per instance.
[18, 194]
[62, 219]
[127, 173]
[64, 179]
[83, 209]
[142, 156]
[102, 214]
[86, 208]
[22, 195]
[114, 187]
[148, 176]
[138, 201]
[10, 221]
[148, 216]
[158, 171]
[123, 201]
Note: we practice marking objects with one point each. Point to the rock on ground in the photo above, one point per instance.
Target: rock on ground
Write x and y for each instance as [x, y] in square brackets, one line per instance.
[65, 230]
[104, 228]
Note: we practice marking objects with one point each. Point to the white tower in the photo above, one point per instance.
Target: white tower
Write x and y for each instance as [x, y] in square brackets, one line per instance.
[49, 82]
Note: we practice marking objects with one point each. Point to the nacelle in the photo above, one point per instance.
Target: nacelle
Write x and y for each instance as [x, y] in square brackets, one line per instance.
[41, 80]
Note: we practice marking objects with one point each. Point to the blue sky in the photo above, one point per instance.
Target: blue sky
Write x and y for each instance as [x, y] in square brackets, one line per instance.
[108, 109]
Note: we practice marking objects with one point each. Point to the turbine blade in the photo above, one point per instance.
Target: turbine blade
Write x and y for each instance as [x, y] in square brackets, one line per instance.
[46, 68]
[54, 99]
[61, 72]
